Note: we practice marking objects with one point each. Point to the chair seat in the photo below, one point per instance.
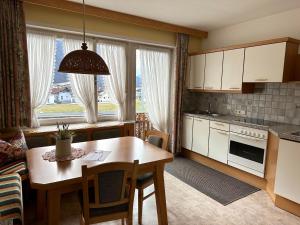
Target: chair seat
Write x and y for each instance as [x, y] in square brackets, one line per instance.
[19, 167]
[11, 198]
[144, 179]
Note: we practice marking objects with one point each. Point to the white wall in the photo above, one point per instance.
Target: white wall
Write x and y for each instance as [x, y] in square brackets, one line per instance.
[285, 24]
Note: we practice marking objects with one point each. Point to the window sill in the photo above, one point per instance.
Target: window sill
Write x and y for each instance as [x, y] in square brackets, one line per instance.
[75, 126]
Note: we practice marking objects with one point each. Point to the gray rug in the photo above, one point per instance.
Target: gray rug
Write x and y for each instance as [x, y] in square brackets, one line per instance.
[219, 186]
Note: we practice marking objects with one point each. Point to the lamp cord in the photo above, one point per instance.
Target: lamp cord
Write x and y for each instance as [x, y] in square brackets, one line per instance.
[83, 21]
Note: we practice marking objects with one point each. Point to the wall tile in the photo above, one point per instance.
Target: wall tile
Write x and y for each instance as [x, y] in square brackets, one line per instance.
[272, 101]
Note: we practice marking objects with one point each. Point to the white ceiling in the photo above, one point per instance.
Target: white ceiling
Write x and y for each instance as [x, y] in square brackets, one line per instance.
[200, 14]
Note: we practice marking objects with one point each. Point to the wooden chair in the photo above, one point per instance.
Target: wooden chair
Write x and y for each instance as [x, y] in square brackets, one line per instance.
[108, 192]
[160, 140]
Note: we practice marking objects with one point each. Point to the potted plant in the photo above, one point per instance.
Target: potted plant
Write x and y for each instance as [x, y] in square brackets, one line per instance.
[64, 138]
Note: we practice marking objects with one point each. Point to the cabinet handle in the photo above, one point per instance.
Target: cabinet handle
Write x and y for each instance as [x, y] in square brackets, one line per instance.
[199, 120]
[208, 87]
[261, 79]
[220, 124]
[223, 133]
[235, 88]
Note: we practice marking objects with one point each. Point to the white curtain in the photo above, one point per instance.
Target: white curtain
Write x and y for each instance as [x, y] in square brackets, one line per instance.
[41, 54]
[115, 58]
[155, 72]
[82, 84]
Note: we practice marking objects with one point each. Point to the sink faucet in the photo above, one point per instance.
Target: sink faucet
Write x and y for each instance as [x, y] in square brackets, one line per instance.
[209, 108]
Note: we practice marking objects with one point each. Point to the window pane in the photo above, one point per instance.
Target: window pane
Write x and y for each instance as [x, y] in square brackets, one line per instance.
[61, 101]
[115, 58]
[105, 104]
[140, 99]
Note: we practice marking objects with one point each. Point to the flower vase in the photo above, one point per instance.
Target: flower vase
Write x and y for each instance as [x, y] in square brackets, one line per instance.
[63, 147]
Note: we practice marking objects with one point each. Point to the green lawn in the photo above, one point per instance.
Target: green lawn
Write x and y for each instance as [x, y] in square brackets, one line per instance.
[76, 108]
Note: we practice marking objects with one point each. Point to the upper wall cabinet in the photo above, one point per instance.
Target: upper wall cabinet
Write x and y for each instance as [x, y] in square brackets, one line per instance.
[233, 66]
[236, 68]
[270, 63]
[213, 71]
[196, 71]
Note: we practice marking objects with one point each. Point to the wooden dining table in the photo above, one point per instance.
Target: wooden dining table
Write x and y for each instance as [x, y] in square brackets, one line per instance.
[52, 179]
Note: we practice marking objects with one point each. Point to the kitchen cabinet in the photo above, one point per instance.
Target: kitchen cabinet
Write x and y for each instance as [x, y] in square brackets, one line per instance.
[233, 67]
[270, 63]
[196, 71]
[200, 136]
[187, 132]
[213, 71]
[218, 145]
[287, 180]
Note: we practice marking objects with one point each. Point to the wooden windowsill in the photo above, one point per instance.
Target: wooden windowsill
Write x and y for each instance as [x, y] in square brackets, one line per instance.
[76, 126]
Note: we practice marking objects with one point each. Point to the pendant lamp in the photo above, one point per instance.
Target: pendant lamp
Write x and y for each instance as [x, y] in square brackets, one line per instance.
[83, 61]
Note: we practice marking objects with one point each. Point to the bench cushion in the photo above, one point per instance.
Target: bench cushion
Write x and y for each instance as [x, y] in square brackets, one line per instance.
[11, 205]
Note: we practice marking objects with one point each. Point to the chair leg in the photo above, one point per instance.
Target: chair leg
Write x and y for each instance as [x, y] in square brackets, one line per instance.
[140, 205]
[129, 221]
[123, 221]
[82, 220]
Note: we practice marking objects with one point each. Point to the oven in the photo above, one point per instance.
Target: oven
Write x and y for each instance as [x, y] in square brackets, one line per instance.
[247, 149]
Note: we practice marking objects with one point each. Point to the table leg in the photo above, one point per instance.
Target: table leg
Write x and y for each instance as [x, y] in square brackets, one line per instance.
[41, 205]
[53, 207]
[160, 195]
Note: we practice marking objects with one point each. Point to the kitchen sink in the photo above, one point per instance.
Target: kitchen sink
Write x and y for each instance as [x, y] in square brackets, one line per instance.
[296, 133]
[208, 113]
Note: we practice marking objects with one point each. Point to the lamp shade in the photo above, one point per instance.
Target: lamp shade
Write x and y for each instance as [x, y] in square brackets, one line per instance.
[83, 61]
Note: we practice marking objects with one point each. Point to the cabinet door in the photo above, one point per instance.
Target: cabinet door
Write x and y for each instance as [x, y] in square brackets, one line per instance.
[213, 71]
[265, 63]
[200, 136]
[287, 181]
[197, 68]
[233, 67]
[218, 145]
[187, 132]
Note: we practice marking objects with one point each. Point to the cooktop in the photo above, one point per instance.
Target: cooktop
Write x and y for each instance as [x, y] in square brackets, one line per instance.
[252, 121]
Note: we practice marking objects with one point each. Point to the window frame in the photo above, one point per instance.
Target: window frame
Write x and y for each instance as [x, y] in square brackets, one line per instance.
[130, 51]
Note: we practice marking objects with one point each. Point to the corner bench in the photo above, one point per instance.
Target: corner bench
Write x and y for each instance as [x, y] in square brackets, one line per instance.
[11, 204]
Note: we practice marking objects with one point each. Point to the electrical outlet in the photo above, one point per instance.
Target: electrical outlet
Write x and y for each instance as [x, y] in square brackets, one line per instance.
[243, 112]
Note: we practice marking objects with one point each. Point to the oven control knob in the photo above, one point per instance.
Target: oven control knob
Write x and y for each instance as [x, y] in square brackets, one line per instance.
[263, 136]
[250, 133]
[242, 131]
[258, 135]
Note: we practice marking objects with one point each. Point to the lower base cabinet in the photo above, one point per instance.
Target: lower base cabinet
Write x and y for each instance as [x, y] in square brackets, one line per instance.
[200, 136]
[218, 145]
[287, 180]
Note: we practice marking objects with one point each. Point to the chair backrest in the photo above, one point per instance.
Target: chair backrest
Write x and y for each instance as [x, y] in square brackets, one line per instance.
[113, 185]
[158, 138]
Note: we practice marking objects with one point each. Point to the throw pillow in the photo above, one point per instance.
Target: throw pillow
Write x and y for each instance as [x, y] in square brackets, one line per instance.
[18, 140]
[9, 153]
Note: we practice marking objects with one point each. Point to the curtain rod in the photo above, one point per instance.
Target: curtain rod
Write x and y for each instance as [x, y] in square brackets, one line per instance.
[94, 35]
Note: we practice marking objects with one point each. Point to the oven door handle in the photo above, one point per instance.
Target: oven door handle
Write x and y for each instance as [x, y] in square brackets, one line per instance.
[247, 137]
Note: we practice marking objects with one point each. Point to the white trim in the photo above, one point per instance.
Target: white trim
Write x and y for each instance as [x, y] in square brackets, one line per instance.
[54, 120]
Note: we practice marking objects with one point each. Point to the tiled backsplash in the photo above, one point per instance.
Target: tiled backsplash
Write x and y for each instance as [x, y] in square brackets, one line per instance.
[272, 101]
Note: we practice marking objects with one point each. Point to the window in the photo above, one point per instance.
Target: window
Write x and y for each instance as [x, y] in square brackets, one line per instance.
[140, 100]
[112, 88]
[54, 96]
[106, 107]
[61, 101]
